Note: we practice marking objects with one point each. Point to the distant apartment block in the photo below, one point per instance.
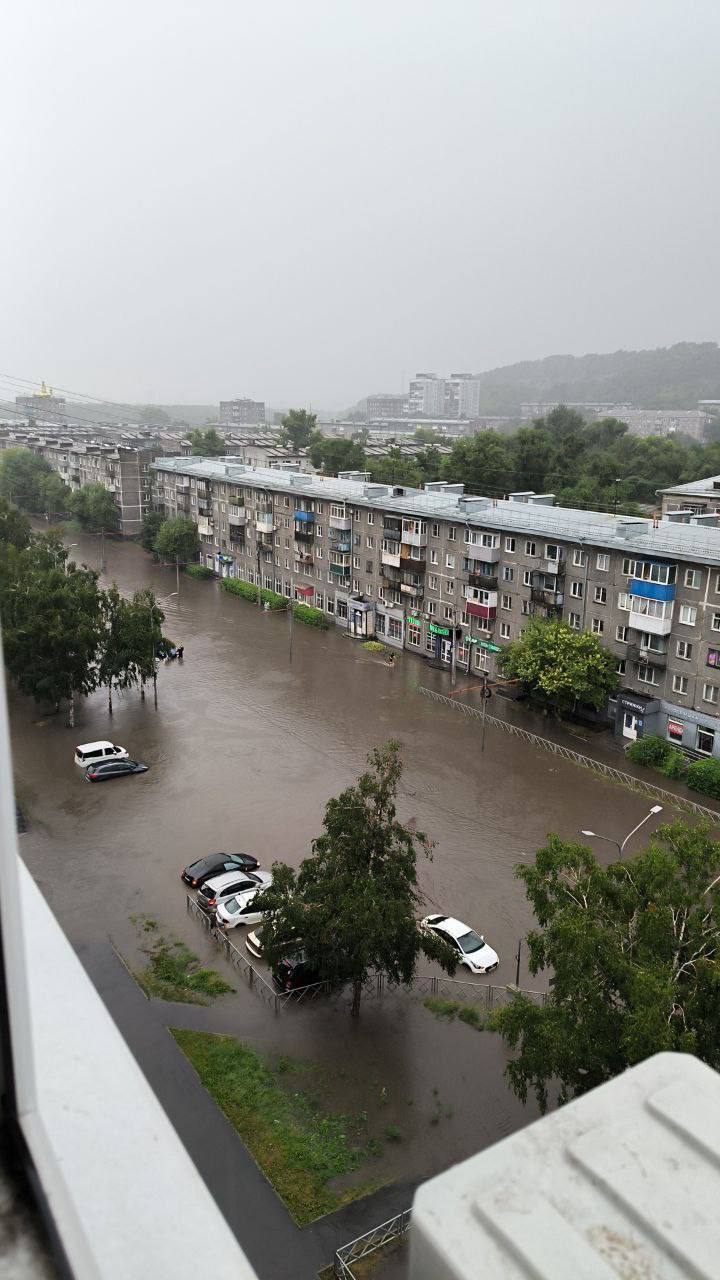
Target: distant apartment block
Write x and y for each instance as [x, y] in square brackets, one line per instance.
[43, 405]
[453, 577]
[430, 396]
[382, 408]
[530, 409]
[666, 422]
[241, 412]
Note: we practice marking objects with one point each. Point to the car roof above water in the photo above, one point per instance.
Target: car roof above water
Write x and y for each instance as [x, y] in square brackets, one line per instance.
[94, 746]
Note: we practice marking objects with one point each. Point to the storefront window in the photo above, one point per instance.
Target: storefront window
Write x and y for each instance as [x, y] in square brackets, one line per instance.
[705, 741]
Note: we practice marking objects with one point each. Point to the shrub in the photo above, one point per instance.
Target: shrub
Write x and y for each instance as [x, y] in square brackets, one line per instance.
[250, 592]
[704, 776]
[674, 765]
[198, 571]
[374, 646]
[313, 617]
[651, 750]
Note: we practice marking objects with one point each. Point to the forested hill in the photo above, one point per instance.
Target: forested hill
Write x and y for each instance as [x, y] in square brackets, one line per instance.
[666, 378]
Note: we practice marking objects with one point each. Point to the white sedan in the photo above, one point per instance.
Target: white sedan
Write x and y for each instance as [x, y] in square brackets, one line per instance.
[239, 909]
[474, 951]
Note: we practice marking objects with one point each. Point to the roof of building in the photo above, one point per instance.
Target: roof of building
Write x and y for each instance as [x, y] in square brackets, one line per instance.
[708, 484]
[524, 513]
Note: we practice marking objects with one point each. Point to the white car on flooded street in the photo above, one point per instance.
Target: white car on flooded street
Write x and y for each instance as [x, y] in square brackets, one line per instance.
[474, 951]
[240, 909]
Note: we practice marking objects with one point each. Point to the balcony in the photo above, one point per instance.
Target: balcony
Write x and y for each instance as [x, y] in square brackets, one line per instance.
[639, 654]
[550, 599]
[205, 508]
[488, 612]
[303, 535]
[651, 590]
[490, 555]
[339, 559]
[265, 541]
[391, 557]
[412, 536]
[340, 570]
[411, 563]
[485, 581]
[340, 546]
[304, 517]
[392, 527]
[236, 516]
[206, 529]
[265, 522]
[237, 537]
[304, 557]
[641, 620]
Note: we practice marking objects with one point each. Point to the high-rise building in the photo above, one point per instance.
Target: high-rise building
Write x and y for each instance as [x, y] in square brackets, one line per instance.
[427, 396]
[241, 412]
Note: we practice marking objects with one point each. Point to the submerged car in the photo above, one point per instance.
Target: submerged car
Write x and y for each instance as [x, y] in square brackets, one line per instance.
[93, 752]
[218, 888]
[108, 769]
[474, 951]
[238, 910]
[215, 864]
[293, 972]
[253, 942]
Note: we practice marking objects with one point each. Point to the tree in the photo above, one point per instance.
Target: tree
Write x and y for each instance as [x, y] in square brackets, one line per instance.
[14, 526]
[355, 901]
[207, 444]
[425, 435]
[634, 952]
[21, 475]
[94, 507]
[151, 525]
[177, 540]
[395, 468]
[298, 428]
[561, 666]
[55, 495]
[336, 455]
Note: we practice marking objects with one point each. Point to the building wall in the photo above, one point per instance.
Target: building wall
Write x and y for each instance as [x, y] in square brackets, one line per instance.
[233, 412]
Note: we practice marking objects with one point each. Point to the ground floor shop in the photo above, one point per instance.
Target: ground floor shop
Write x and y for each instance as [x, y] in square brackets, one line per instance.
[635, 715]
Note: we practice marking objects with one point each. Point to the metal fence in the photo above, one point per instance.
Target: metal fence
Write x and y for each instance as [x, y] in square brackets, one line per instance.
[575, 757]
[474, 992]
[368, 1243]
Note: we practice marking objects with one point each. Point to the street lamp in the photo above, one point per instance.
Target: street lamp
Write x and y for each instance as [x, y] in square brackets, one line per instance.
[618, 480]
[657, 808]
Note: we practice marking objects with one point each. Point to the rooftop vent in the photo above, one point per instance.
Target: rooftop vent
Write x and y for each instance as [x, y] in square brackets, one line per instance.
[468, 503]
[629, 529]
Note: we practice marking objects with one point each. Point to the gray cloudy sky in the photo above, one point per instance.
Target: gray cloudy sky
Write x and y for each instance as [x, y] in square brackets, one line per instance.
[303, 200]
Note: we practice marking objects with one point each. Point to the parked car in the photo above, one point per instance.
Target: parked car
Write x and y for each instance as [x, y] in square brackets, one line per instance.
[253, 942]
[94, 752]
[214, 864]
[217, 888]
[474, 951]
[293, 972]
[240, 909]
[108, 769]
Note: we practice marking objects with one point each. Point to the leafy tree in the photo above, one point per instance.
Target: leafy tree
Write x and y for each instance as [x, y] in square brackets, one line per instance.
[177, 540]
[355, 901]
[395, 468]
[298, 428]
[55, 494]
[94, 507]
[560, 666]
[634, 951]
[21, 475]
[151, 525]
[207, 444]
[146, 620]
[425, 435]
[482, 463]
[14, 526]
[336, 455]
[117, 668]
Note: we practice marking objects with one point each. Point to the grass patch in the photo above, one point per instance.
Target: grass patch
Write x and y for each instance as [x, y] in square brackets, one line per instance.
[199, 571]
[173, 972]
[299, 1147]
[374, 646]
[448, 1010]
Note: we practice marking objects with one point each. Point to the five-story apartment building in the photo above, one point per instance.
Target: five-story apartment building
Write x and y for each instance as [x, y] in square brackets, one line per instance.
[455, 577]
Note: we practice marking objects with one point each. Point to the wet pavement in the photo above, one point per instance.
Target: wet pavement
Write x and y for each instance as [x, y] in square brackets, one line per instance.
[244, 749]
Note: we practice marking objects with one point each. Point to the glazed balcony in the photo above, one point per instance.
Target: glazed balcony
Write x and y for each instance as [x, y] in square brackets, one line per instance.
[304, 518]
[236, 516]
[341, 571]
[342, 523]
[414, 534]
[490, 555]
[204, 508]
[340, 546]
[265, 522]
[487, 612]
[392, 527]
[206, 529]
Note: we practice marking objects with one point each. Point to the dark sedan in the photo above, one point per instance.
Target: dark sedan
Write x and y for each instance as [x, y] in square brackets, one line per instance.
[216, 864]
[104, 770]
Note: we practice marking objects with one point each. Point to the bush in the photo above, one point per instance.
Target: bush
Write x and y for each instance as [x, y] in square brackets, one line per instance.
[250, 592]
[704, 776]
[674, 765]
[313, 617]
[374, 646]
[198, 571]
[650, 750]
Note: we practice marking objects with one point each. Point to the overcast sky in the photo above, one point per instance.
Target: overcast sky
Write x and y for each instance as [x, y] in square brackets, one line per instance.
[307, 200]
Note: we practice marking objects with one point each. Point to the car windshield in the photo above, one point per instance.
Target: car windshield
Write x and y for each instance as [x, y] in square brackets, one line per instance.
[470, 941]
[232, 906]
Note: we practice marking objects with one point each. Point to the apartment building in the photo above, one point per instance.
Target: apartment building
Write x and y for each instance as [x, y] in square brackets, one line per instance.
[122, 469]
[698, 498]
[448, 576]
[241, 412]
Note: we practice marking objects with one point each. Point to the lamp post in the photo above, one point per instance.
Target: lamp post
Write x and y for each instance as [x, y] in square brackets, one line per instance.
[617, 482]
[595, 835]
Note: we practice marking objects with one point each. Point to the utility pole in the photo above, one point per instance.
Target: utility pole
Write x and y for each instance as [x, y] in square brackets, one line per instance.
[517, 966]
[453, 651]
[177, 573]
[291, 615]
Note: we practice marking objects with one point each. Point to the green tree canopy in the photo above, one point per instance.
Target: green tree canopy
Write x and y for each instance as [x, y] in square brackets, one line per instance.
[14, 526]
[298, 428]
[207, 444]
[634, 954]
[354, 902]
[334, 455]
[151, 525]
[94, 507]
[55, 494]
[21, 477]
[177, 539]
[560, 666]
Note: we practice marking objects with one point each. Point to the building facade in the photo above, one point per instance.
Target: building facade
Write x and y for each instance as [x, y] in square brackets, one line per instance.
[698, 498]
[453, 577]
[380, 408]
[241, 412]
[43, 405]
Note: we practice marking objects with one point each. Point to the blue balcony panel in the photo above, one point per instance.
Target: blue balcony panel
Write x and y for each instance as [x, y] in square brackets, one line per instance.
[652, 590]
[305, 517]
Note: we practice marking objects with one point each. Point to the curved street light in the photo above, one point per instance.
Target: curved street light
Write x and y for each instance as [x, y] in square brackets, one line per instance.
[595, 835]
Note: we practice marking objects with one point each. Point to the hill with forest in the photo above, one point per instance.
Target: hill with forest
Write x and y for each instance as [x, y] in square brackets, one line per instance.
[666, 378]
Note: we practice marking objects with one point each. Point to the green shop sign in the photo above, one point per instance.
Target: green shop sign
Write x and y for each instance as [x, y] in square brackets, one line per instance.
[491, 648]
[438, 631]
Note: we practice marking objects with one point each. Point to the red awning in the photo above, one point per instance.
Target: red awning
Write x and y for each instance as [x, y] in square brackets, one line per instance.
[305, 591]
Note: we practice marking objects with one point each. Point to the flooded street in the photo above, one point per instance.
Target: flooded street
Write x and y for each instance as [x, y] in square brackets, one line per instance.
[244, 749]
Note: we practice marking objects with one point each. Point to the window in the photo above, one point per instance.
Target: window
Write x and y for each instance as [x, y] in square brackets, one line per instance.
[688, 614]
[430, 642]
[576, 590]
[621, 667]
[684, 650]
[433, 556]
[680, 684]
[504, 630]
[480, 659]
[574, 621]
[450, 587]
[710, 693]
[715, 622]
[525, 607]
[603, 562]
[692, 578]
[717, 582]
[368, 566]
[600, 596]
[452, 533]
[621, 634]
[530, 549]
[552, 551]
[510, 546]
[318, 531]
[370, 543]
[508, 573]
[647, 674]
[356, 584]
[597, 626]
[394, 628]
[506, 602]
[623, 600]
[448, 612]
[465, 618]
[435, 530]
[430, 607]
[432, 582]
[527, 578]
[413, 636]
[713, 658]
[371, 517]
[579, 558]
[705, 741]
[449, 560]
[356, 564]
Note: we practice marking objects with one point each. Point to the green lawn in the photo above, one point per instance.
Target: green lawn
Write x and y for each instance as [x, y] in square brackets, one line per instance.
[299, 1147]
[173, 973]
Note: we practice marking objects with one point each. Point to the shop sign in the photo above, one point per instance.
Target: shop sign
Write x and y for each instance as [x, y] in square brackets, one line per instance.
[675, 729]
[489, 646]
[438, 631]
